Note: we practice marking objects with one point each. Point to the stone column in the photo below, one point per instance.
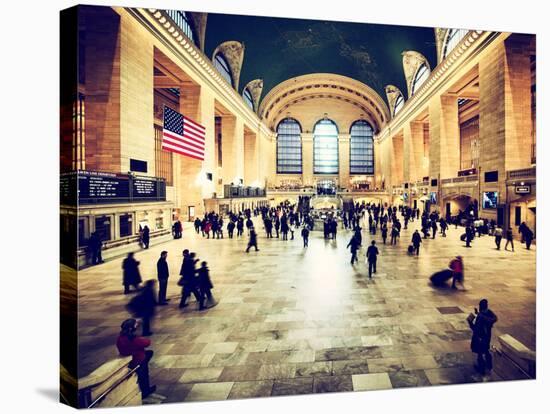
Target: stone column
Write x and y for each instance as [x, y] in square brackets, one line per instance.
[251, 171]
[444, 136]
[102, 71]
[344, 160]
[307, 159]
[137, 97]
[233, 149]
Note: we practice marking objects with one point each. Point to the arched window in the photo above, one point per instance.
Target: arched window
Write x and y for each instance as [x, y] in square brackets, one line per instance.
[325, 147]
[247, 96]
[454, 36]
[182, 21]
[361, 148]
[420, 77]
[399, 102]
[289, 147]
[223, 67]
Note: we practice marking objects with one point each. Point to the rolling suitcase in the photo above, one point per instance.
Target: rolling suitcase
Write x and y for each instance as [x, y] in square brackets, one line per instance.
[441, 278]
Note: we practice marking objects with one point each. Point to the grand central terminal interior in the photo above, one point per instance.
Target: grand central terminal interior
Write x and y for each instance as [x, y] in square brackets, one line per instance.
[177, 122]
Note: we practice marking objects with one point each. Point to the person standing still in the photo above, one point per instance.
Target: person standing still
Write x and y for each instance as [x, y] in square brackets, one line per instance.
[372, 253]
[481, 324]
[162, 276]
[305, 236]
[145, 237]
[416, 240]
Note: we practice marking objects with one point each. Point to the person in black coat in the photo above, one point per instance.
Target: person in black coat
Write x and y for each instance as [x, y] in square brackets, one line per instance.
[416, 240]
[305, 236]
[354, 246]
[145, 237]
[205, 286]
[188, 280]
[143, 306]
[384, 232]
[230, 228]
[528, 237]
[162, 276]
[253, 240]
[481, 325]
[130, 273]
[95, 245]
[372, 254]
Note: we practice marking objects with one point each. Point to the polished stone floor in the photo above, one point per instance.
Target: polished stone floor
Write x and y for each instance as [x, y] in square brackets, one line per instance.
[298, 321]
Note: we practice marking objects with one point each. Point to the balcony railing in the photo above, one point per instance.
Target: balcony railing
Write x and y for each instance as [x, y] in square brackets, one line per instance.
[457, 180]
[233, 191]
[523, 173]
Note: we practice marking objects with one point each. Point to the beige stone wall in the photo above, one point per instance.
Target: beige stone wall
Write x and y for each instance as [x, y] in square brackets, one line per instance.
[137, 97]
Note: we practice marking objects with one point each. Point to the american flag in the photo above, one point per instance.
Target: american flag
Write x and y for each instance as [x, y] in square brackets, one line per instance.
[182, 135]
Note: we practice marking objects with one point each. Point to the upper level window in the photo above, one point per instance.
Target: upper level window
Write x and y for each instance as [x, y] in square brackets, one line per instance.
[289, 147]
[325, 147]
[248, 98]
[454, 36]
[223, 67]
[182, 21]
[399, 102]
[420, 77]
[361, 149]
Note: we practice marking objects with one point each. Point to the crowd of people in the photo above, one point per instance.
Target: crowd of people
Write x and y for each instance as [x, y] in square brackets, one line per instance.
[281, 222]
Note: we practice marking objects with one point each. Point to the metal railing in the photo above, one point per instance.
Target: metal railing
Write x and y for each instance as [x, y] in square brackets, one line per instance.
[457, 180]
[523, 173]
[84, 396]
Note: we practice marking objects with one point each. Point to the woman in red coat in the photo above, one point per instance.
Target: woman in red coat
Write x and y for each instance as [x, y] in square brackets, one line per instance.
[129, 344]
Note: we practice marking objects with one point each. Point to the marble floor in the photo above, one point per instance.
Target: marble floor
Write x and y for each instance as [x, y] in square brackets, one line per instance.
[298, 321]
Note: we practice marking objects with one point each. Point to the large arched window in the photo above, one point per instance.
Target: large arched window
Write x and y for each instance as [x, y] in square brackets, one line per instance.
[289, 147]
[454, 36]
[247, 96]
[223, 67]
[361, 149]
[325, 147]
[399, 102]
[182, 21]
[420, 77]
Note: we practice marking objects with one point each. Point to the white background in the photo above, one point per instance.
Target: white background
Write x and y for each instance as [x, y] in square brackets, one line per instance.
[29, 152]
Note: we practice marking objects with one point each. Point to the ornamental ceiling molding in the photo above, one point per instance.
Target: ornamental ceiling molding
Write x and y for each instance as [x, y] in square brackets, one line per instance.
[392, 93]
[255, 87]
[161, 26]
[325, 84]
[283, 110]
[440, 35]
[233, 52]
[471, 45]
[412, 60]
[199, 23]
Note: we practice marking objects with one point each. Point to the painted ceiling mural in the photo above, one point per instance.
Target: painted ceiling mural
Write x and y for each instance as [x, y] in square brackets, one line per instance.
[277, 49]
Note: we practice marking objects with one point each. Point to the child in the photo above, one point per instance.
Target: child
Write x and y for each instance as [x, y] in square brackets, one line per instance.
[205, 285]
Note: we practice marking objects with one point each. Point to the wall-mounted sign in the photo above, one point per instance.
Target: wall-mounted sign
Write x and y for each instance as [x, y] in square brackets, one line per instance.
[523, 189]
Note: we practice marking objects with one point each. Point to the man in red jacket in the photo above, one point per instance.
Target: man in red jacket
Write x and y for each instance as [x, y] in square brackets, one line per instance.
[129, 344]
[457, 268]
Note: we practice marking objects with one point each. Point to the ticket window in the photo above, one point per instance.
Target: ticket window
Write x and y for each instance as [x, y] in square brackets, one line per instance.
[159, 223]
[126, 222]
[103, 227]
